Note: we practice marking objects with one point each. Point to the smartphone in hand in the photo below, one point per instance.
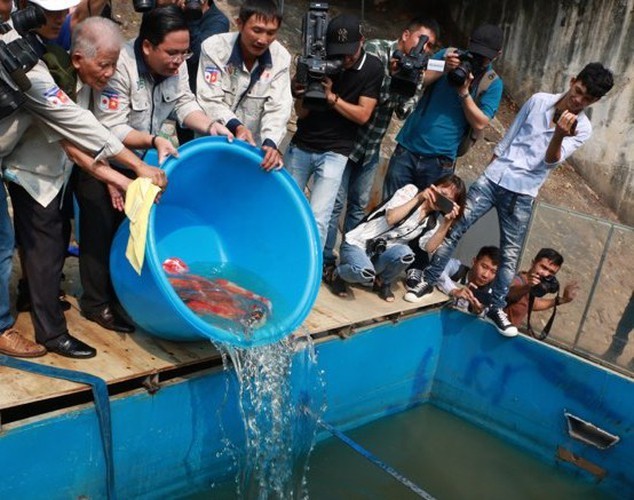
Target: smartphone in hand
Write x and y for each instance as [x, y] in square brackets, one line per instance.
[444, 204]
[557, 115]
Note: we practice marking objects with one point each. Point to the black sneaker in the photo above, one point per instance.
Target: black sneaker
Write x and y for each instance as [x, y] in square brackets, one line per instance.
[417, 293]
[412, 278]
[501, 321]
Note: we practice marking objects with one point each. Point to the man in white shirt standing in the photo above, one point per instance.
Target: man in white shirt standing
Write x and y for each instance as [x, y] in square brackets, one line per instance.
[546, 131]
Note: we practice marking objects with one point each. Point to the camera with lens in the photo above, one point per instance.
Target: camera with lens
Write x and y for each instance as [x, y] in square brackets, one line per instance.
[469, 63]
[18, 57]
[546, 285]
[375, 246]
[409, 66]
[314, 65]
[192, 9]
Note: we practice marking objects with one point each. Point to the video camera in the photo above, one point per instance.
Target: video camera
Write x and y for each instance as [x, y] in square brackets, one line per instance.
[18, 57]
[470, 62]
[313, 65]
[193, 9]
[405, 81]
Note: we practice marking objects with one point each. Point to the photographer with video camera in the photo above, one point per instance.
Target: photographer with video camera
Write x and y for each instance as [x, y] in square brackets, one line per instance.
[462, 98]
[327, 127]
[378, 249]
[546, 131]
[413, 48]
[244, 79]
[529, 288]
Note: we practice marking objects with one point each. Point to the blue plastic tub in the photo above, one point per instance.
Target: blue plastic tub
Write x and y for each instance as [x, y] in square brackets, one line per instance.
[222, 209]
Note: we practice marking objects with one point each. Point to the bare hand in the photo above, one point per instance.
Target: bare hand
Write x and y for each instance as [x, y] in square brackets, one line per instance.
[164, 148]
[297, 89]
[567, 124]
[117, 197]
[217, 128]
[272, 159]
[244, 134]
[534, 279]
[452, 61]
[155, 174]
[570, 292]
[327, 84]
[467, 294]
[464, 88]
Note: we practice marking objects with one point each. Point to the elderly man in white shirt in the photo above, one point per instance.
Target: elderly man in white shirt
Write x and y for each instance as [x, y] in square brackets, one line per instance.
[546, 131]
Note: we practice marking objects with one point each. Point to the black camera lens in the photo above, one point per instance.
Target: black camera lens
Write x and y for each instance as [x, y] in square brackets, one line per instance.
[143, 5]
[28, 19]
[459, 76]
[546, 285]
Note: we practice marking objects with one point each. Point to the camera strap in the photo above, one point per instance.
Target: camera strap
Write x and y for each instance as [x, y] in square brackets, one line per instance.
[546, 331]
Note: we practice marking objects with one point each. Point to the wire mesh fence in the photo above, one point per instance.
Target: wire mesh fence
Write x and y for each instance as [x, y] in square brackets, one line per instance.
[599, 256]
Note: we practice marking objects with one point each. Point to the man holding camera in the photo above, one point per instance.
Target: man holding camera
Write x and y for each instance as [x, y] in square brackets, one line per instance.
[325, 137]
[358, 177]
[244, 79]
[470, 287]
[464, 97]
[538, 281]
[546, 131]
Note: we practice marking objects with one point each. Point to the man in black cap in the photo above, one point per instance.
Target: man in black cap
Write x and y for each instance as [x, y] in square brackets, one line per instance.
[450, 108]
[325, 137]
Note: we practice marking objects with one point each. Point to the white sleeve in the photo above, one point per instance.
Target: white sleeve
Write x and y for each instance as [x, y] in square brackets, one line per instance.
[445, 283]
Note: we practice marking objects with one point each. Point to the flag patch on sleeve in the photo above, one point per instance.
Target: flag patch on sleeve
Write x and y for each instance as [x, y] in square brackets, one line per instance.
[56, 97]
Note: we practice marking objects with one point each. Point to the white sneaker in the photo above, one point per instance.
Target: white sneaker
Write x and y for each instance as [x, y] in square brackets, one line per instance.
[501, 321]
[417, 293]
[412, 278]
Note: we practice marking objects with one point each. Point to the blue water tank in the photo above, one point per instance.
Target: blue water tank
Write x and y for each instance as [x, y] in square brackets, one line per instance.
[220, 208]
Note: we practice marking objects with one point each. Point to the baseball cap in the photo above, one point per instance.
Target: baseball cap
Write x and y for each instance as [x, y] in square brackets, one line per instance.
[55, 5]
[343, 35]
[486, 40]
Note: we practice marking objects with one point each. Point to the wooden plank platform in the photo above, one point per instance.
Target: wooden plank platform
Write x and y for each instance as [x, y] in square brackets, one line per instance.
[126, 357]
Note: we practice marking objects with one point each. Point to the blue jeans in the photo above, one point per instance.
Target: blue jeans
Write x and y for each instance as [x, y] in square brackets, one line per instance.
[406, 167]
[357, 267]
[356, 186]
[6, 255]
[326, 169]
[514, 213]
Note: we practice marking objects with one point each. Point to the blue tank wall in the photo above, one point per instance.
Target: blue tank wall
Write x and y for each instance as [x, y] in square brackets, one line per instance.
[172, 442]
[545, 44]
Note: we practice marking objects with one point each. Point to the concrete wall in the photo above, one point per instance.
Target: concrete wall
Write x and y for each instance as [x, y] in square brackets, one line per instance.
[546, 43]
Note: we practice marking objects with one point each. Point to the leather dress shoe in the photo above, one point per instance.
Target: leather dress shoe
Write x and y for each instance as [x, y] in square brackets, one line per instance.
[69, 346]
[110, 320]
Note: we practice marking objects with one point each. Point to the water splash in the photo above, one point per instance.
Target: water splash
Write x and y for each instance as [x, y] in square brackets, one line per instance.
[281, 399]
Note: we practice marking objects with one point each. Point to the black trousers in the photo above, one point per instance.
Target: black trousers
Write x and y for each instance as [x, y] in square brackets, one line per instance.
[40, 233]
[98, 222]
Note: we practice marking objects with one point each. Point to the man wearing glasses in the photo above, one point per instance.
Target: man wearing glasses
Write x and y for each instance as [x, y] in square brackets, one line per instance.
[243, 79]
[151, 83]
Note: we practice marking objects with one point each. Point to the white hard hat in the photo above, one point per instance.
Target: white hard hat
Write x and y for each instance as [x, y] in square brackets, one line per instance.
[55, 5]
